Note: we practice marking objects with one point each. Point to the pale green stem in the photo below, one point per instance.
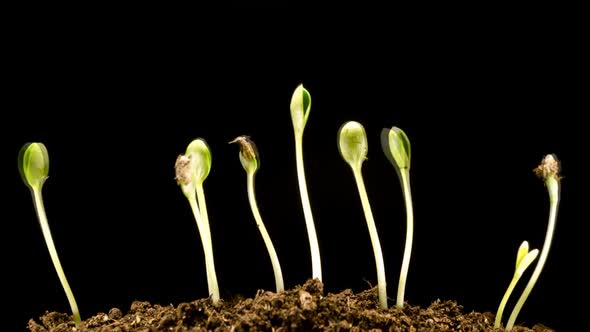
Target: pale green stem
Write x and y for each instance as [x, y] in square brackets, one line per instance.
[207, 244]
[381, 283]
[39, 207]
[313, 240]
[502, 305]
[274, 259]
[204, 237]
[554, 203]
[401, 288]
[192, 200]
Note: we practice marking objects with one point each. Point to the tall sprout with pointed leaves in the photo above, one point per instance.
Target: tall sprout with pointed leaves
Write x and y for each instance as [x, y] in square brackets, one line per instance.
[396, 147]
[33, 165]
[524, 258]
[548, 170]
[353, 147]
[251, 162]
[300, 107]
[192, 169]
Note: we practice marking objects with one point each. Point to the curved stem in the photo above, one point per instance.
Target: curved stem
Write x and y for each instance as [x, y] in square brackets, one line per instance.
[267, 241]
[40, 209]
[554, 203]
[207, 243]
[401, 288]
[313, 240]
[381, 283]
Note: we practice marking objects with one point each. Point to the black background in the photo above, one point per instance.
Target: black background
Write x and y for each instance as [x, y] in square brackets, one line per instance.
[116, 95]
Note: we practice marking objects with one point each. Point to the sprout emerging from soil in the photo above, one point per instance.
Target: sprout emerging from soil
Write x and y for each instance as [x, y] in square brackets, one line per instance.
[251, 162]
[524, 258]
[300, 107]
[33, 165]
[548, 170]
[192, 169]
[353, 146]
[396, 147]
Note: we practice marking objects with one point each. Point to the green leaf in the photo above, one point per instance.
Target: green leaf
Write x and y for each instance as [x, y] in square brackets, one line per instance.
[524, 258]
[396, 146]
[199, 152]
[193, 167]
[352, 143]
[33, 164]
[300, 107]
[526, 261]
[522, 251]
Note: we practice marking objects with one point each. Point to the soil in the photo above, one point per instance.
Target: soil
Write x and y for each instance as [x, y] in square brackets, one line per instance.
[303, 308]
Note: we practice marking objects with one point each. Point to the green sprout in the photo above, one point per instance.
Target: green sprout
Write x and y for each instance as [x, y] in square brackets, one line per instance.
[33, 165]
[353, 146]
[548, 170]
[251, 162]
[192, 169]
[524, 258]
[300, 107]
[396, 147]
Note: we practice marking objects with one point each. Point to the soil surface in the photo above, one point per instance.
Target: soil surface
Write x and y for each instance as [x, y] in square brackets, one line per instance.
[304, 308]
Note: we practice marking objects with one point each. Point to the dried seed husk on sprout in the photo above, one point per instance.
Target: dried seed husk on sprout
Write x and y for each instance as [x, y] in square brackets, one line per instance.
[192, 169]
[250, 161]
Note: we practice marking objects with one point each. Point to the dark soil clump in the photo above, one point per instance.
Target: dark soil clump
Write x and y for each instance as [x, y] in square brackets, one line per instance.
[304, 308]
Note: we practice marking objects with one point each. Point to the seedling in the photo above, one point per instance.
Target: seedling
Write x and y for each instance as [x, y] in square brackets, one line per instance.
[353, 146]
[548, 170]
[524, 258]
[192, 169]
[251, 162]
[396, 147]
[33, 165]
[300, 107]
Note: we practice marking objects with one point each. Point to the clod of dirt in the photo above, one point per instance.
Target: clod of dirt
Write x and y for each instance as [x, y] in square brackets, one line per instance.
[304, 308]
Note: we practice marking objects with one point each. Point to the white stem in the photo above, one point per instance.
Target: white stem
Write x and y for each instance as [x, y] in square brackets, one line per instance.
[401, 288]
[269, 246]
[207, 243]
[313, 240]
[554, 203]
[381, 283]
[40, 209]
